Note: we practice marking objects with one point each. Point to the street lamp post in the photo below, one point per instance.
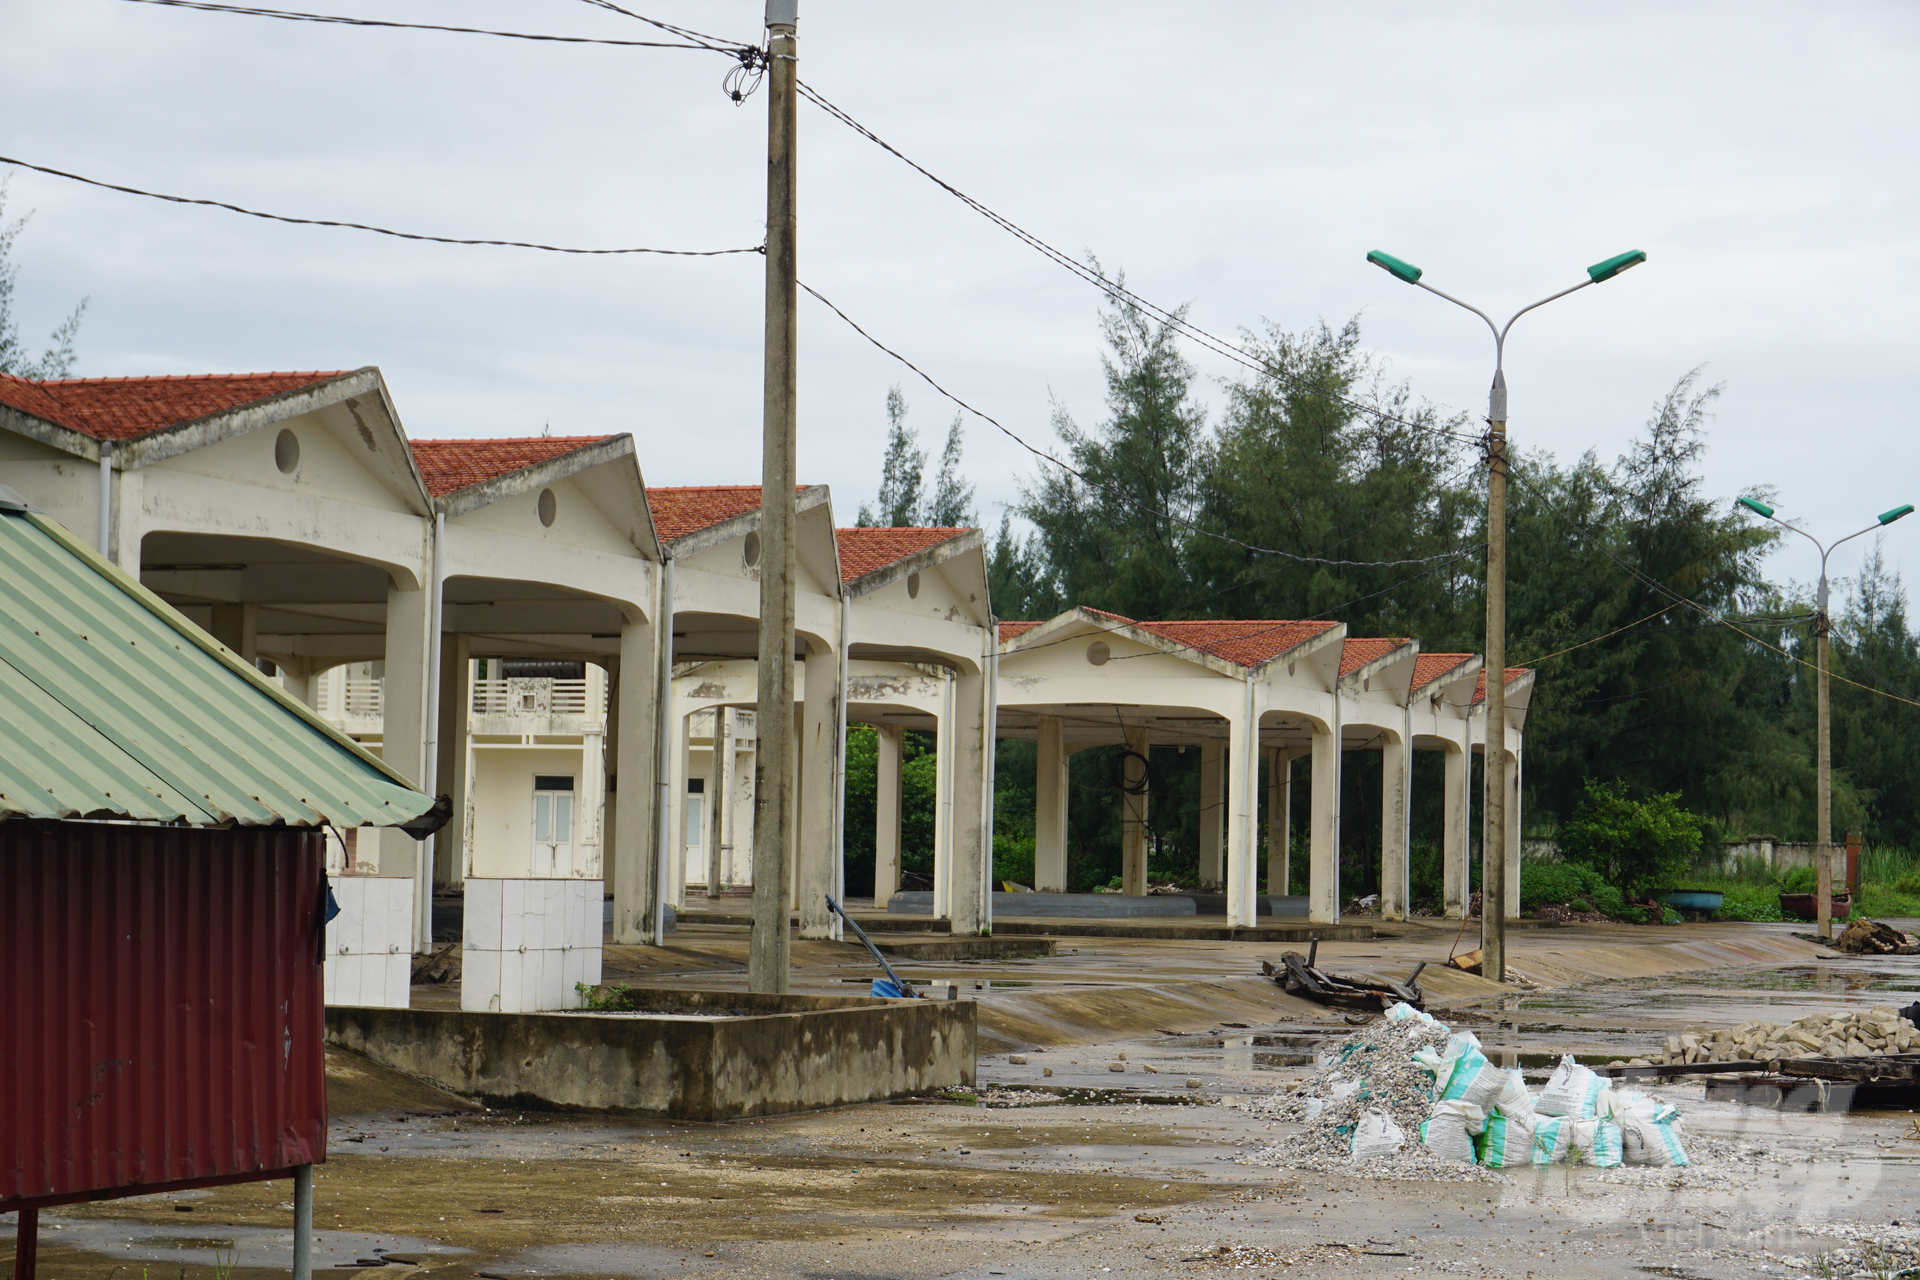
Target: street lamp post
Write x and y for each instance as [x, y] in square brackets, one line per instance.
[1823, 747]
[1493, 862]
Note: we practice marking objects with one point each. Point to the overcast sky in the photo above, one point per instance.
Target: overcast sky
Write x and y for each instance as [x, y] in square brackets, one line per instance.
[1238, 157]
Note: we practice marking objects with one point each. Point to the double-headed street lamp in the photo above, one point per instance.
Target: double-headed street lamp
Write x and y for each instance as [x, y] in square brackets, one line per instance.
[1493, 873]
[1823, 749]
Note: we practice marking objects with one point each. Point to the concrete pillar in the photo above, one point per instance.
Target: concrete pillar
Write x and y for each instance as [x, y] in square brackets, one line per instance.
[680, 768]
[403, 734]
[886, 806]
[610, 807]
[296, 677]
[819, 771]
[719, 800]
[1513, 834]
[1242, 808]
[1323, 826]
[1133, 809]
[589, 815]
[1213, 810]
[1454, 851]
[1050, 807]
[631, 780]
[1279, 819]
[456, 700]
[943, 802]
[972, 860]
[237, 626]
[1396, 798]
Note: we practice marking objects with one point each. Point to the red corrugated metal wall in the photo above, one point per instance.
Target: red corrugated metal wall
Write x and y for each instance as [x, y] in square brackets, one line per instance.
[161, 1016]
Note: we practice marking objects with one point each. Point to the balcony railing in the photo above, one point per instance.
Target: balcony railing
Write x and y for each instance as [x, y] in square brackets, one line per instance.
[532, 697]
[360, 700]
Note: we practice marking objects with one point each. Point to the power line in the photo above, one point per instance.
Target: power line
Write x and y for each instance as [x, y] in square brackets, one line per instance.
[1044, 456]
[720, 42]
[1116, 290]
[289, 15]
[360, 226]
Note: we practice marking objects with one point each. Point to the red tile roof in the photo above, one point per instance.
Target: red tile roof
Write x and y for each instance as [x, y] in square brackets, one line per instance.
[1246, 643]
[1355, 654]
[125, 408]
[449, 466]
[1480, 685]
[1429, 667]
[862, 551]
[1008, 630]
[679, 511]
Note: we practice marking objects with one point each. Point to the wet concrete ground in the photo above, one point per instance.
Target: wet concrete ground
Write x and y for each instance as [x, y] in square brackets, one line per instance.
[1130, 1172]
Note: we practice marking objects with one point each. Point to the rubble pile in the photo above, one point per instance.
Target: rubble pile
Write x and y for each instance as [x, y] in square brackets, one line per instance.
[1871, 938]
[1877, 1032]
[1409, 1097]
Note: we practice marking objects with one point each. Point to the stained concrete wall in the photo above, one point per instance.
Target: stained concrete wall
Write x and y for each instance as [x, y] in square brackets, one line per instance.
[784, 1053]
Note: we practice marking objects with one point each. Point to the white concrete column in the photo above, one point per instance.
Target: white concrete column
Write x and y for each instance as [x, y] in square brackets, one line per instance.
[679, 761]
[820, 755]
[886, 813]
[589, 814]
[1513, 834]
[1133, 811]
[1242, 808]
[237, 626]
[1279, 821]
[1323, 825]
[296, 676]
[719, 800]
[1396, 797]
[972, 860]
[631, 784]
[943, 802]
[1050, 807]
[1213, 808]
[403, 736]
[1454, 845]
[456, 698]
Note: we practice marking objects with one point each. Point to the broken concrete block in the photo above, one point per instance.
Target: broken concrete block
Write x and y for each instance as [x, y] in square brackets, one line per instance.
[1116, 1066]
[1046, 1071]
[1194, 1082]
[1017, 1059]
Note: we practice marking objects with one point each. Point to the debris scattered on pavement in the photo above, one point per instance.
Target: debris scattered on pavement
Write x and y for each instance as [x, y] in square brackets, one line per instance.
[1871, 938]
[1878, 1031]
[1296, 975]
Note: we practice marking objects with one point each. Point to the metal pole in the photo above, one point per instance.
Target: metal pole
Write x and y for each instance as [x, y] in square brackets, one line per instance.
[768, 961]
[1823, 768]
[303, 1223]
[26, 1244]
[1493, 840]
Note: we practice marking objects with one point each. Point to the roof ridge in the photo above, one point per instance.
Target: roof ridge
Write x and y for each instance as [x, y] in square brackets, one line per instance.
[117, 379]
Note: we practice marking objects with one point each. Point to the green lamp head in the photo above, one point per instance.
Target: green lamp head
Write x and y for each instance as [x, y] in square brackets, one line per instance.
[1601, 271]
[1395, 267]
[1888, 517]
[1756, 506]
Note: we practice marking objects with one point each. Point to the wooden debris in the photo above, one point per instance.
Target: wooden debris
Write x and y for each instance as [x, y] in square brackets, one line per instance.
[1296, 975]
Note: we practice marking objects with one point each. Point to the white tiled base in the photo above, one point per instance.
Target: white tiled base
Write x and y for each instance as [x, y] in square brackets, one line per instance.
[528, 943]
[370, 943]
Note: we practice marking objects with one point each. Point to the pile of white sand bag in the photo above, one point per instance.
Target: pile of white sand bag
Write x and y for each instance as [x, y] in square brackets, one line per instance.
[1486, 1114]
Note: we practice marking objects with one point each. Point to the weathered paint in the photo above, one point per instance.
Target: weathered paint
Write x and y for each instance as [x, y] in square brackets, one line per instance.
[160, 1008]
[784, 1053]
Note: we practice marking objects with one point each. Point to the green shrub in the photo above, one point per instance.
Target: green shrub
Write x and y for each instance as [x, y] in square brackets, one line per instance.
[1632, 915]
[1543, 883]
[1581, 905]
[1908, 884]
[1609, 900]
[1798, 880]
[1642, 846]
[1749, 902]
[1670, 916]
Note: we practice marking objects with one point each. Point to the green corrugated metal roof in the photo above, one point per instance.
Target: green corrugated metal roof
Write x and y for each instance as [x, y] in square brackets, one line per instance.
[115, 705]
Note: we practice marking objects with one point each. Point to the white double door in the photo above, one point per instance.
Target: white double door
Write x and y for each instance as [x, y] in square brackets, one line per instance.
[552, 826]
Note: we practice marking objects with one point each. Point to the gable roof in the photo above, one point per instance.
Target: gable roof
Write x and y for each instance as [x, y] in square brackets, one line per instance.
[1480, 685]
[119, 707]
[128, 408]
[1355, 654]
[449, 466]
[679, 511]
[1245, 643]
[1008, 630]
[865, 551]
[1429, 667]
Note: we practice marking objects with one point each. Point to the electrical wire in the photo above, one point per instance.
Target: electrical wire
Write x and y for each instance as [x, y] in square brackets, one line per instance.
[361, 226]
[720, 42]
[1118, 291]
[206, 6]
[1044, 456]
[1661, 587]
[1608, 636]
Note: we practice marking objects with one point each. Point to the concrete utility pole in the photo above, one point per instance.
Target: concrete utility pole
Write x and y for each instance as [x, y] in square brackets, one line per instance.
[768, 963]
[1493, 840]
[1823, 746]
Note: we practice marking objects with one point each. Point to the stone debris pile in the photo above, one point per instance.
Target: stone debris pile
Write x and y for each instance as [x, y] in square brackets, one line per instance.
[1409, 1097]
[1877, 1032]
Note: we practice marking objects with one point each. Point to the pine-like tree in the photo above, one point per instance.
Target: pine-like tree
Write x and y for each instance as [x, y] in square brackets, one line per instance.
[57, 360]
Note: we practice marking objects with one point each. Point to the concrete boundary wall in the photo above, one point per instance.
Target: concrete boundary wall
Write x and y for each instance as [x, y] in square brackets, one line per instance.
[699, 1056]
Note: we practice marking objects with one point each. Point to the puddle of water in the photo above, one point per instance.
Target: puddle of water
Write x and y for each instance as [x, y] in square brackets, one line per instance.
[252, 1247]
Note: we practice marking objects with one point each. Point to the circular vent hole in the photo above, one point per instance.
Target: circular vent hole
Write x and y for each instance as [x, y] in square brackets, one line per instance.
[1098, 653]
[286, 452]
[549, 507]
[750, 550]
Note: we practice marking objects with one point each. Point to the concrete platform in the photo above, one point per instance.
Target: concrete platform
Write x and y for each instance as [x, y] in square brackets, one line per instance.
[1103, 906]
[1013, 947]
[689, 1055]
